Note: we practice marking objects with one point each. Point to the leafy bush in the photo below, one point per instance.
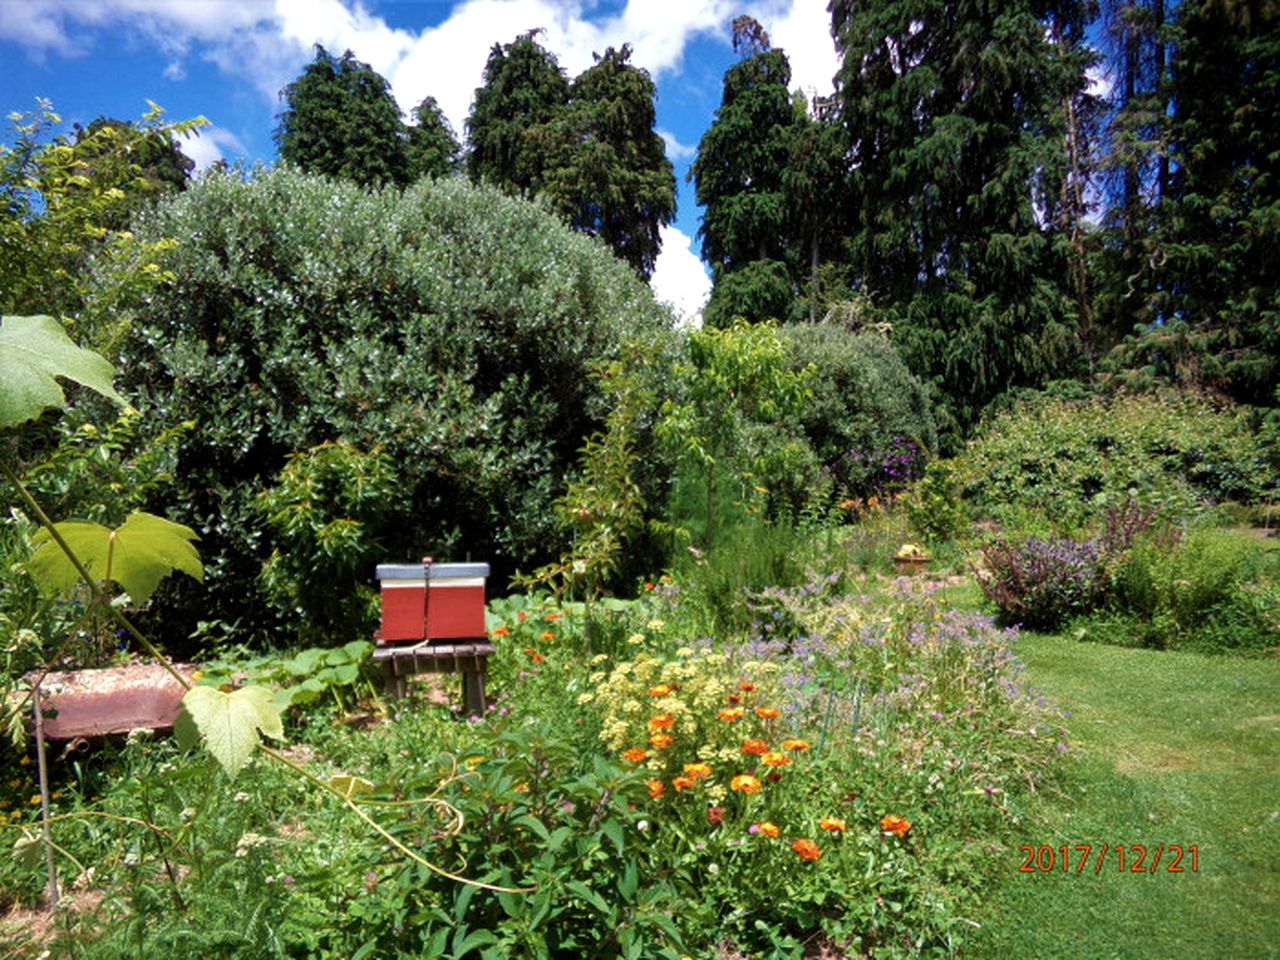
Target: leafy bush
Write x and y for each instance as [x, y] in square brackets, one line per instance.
[862, 400]
[934, 505]
[1067, 460]
[322, 510]
[1212, 590]
[452, 325]
[1039, 583]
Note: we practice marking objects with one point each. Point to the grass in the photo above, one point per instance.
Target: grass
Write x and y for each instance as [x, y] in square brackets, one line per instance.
[1172, 748]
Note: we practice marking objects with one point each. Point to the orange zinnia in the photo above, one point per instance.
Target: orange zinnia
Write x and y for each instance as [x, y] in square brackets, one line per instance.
[795, 743]
[501, 631]
[661, 690]
[648, 586]
[807, 850]
[656, 788]
[775, 759]
[767, 829]
[755, 747]
[745, 783]
[896, 825]
[662, 721]
[697, 770]
[520, 615]
[746, 686]
[553, 617]
[634, 754]
[734, 698]
[768, 713]
[548, 635]
[682, 783]
[660, 741]
[730, 714]
[537, 658]
[834, 824]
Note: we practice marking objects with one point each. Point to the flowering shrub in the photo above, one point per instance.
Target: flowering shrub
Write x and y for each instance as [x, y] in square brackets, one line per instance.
[1039, 583]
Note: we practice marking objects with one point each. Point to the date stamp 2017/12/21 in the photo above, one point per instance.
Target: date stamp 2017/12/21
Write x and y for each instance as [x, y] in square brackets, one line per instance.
[1121, 857]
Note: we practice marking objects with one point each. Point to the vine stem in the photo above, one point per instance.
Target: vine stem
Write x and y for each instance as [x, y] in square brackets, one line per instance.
[382, 832]
[94, 590]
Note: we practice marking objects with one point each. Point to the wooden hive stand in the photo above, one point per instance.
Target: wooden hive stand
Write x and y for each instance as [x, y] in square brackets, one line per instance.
[433, 622]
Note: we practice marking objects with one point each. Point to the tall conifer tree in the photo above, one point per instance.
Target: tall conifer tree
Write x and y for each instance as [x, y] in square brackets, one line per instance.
[955, 116]
[341, 120]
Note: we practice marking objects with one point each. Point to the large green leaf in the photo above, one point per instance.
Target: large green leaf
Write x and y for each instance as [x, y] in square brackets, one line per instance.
[137, 555]
[229, 723]
[34, 350]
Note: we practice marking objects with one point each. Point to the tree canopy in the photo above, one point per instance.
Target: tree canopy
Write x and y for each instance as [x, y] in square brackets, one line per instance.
[341, 120]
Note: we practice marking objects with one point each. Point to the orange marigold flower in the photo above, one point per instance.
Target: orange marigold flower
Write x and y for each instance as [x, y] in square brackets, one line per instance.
[734, 698]
[795, 744]
[553, 617]
[656, 788]
[660, 741]
[521, 615]
[767, 829]
[682, 783]
[755, 747]
[745, 783]
[834, 824]
[697, 770]
[528, 651]
[648, 586]
[896, 825]
[662, 721]
[775, 759]
[768, 713]
[634, 754]
[730, 714]
[661, 690]
[746, 686]
[547, 635]
[501, 631]
[807, 850]
[537, 658]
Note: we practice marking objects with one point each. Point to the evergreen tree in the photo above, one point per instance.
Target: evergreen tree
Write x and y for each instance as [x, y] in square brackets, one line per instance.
[606, 169]
[1215, 307]
[955, 116]
[342, 121]
[523, 88]
[431, 148]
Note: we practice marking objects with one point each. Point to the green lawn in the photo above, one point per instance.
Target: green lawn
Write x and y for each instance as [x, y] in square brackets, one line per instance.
[1168, 748]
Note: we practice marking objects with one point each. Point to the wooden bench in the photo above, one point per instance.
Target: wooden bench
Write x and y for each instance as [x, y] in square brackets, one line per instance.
[401, 661]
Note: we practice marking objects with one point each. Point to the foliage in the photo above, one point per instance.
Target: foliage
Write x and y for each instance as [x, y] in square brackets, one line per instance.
[453, 326]
[1040, 583]
[431, 147]
[62, 200]
[228, 723]
[934, 504]
[1210, 591]
[341, 120]
[302, 678]
[33, 350]
[958, 169]
[1202, 286]
[1068, 460]
[731, 378]
[137, 555]
[862, 397]
[524, 87]
[323, 510]
[605, 170]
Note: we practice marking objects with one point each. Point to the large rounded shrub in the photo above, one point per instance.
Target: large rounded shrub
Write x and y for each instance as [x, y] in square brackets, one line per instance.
[867, 418]
[450, 325]
[1070, 460]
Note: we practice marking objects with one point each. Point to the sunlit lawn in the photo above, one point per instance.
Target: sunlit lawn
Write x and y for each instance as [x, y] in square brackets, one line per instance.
[1168, 748]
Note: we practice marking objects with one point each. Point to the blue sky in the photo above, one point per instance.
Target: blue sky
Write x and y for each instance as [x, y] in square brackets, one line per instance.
[228, 59]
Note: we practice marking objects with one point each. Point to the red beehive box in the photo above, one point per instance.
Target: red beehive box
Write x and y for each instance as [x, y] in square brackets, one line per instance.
[432, 601]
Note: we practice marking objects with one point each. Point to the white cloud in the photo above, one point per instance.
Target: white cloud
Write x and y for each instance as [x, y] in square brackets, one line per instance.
[675, 149]
[803, 32]
[679, 277]
[211, 144]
